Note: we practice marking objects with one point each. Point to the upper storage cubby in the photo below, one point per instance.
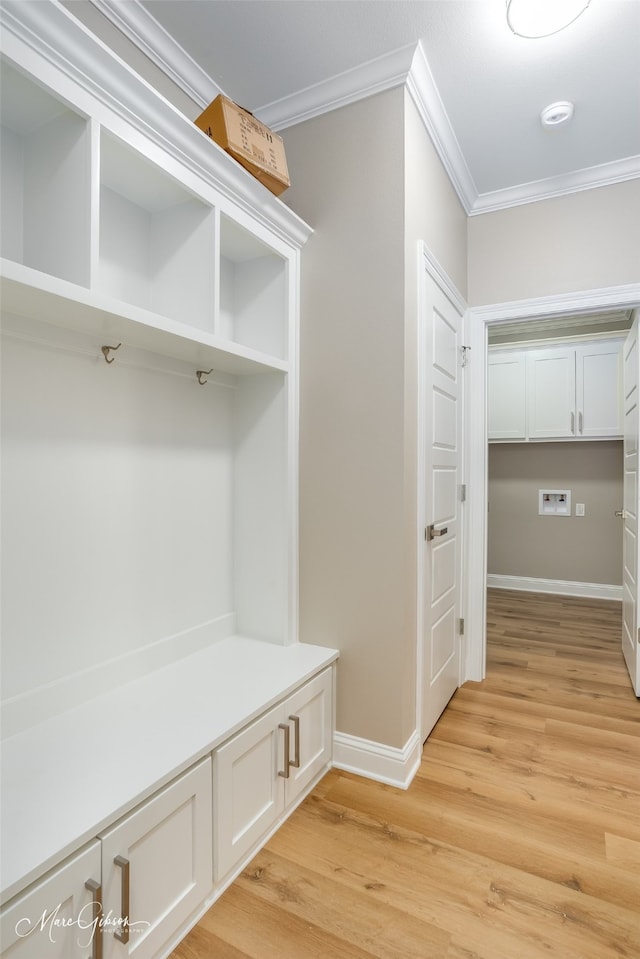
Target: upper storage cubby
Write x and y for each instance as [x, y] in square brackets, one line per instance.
[253, 304]
[156, 240]
[46, 180]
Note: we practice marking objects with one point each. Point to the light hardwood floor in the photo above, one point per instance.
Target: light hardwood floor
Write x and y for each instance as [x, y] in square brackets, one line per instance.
[519, 838]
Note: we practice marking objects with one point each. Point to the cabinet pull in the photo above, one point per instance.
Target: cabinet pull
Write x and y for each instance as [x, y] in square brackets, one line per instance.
[123, 935]
[573, 422]
[285, 728]
[580, 422]
[95, 889]
[296, 742]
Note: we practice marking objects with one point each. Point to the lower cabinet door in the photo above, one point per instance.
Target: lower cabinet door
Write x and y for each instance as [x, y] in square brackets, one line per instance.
[266, 767]
[157, 866]
[57, 918]
[309, 711]
[248, 792]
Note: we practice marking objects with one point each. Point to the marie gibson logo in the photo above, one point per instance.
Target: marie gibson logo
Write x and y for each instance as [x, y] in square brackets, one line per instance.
[86, 922]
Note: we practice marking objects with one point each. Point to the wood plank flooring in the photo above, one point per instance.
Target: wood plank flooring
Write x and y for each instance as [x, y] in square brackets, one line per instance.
[519, 838]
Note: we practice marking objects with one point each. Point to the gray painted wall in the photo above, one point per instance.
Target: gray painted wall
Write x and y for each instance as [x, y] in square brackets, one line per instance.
[576, 549]
[578, 242]
[368, 180]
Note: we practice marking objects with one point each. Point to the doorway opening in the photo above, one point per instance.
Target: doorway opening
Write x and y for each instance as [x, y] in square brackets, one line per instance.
[545, 319]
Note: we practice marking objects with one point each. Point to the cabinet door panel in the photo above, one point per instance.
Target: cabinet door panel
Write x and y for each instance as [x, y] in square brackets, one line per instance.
[506, 399]
[598, 394]
[313, 706]
[249, 794]
[54, 919]
[551, 389]
[167, 842]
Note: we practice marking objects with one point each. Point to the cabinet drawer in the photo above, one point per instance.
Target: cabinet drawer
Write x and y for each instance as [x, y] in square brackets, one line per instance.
[165, 847]
[55, 918]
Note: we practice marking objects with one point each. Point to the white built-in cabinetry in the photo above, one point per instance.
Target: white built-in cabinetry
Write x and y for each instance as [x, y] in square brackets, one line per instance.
[253, 784]
[557, 392]
[150, 294]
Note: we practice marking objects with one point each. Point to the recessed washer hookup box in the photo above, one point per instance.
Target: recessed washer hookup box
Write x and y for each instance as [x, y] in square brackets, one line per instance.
[248, 141]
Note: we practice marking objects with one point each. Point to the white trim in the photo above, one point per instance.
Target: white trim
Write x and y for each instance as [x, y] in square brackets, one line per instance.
[558, 587]
[385, 764]
[142, 29]
[617, 171]
[560, 305]
[441, 277]
[424, 93]
[479, 320]
[375, 76]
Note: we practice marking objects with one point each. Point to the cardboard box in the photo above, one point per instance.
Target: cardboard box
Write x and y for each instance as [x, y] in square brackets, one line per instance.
[248, 141]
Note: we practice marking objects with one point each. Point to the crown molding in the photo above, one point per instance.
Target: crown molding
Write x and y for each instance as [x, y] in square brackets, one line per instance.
[137, 25]
[405, 66]
[375, 76]
[587, 179]
[424, 93]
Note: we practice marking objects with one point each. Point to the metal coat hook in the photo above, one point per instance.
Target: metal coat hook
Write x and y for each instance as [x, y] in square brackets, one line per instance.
[201, 373]
[108, 349]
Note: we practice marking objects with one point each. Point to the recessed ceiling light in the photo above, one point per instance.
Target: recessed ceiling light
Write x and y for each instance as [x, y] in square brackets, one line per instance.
[542, 18]
[557, 114]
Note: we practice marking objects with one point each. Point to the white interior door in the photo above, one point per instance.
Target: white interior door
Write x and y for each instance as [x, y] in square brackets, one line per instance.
[441, 561]
[631, 378]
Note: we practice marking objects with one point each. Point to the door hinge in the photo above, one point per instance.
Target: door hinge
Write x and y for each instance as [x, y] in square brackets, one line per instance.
[464, 359]
[461, 626]
[463, 492]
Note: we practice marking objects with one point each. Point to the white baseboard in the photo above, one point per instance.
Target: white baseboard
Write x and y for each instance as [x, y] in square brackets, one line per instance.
[385, 764]
[560, 587]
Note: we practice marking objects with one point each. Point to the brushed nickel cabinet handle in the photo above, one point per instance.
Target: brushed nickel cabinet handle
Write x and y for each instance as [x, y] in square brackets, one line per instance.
[296, 742]
[95, 889]
[123, 935]
[285, 728]
[573, 422]
[580, 422]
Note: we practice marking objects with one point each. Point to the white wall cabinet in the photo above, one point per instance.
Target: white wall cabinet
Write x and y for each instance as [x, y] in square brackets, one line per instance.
[560, 392]
[551, 393]
[264, 769]
[506, 396]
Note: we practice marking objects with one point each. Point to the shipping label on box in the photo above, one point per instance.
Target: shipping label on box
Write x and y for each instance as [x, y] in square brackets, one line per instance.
[248, 140]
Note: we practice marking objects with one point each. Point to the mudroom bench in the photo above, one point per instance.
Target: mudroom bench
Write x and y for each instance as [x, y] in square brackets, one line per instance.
[148, 800]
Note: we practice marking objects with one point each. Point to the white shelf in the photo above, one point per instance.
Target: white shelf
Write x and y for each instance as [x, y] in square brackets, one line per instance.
[156, 240]
[27, 292]
[45, 167]
[253, 291]
[96, 762]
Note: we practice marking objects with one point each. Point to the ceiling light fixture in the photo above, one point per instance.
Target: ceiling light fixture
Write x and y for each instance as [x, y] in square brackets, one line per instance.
[557, 114]
[543, 18]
